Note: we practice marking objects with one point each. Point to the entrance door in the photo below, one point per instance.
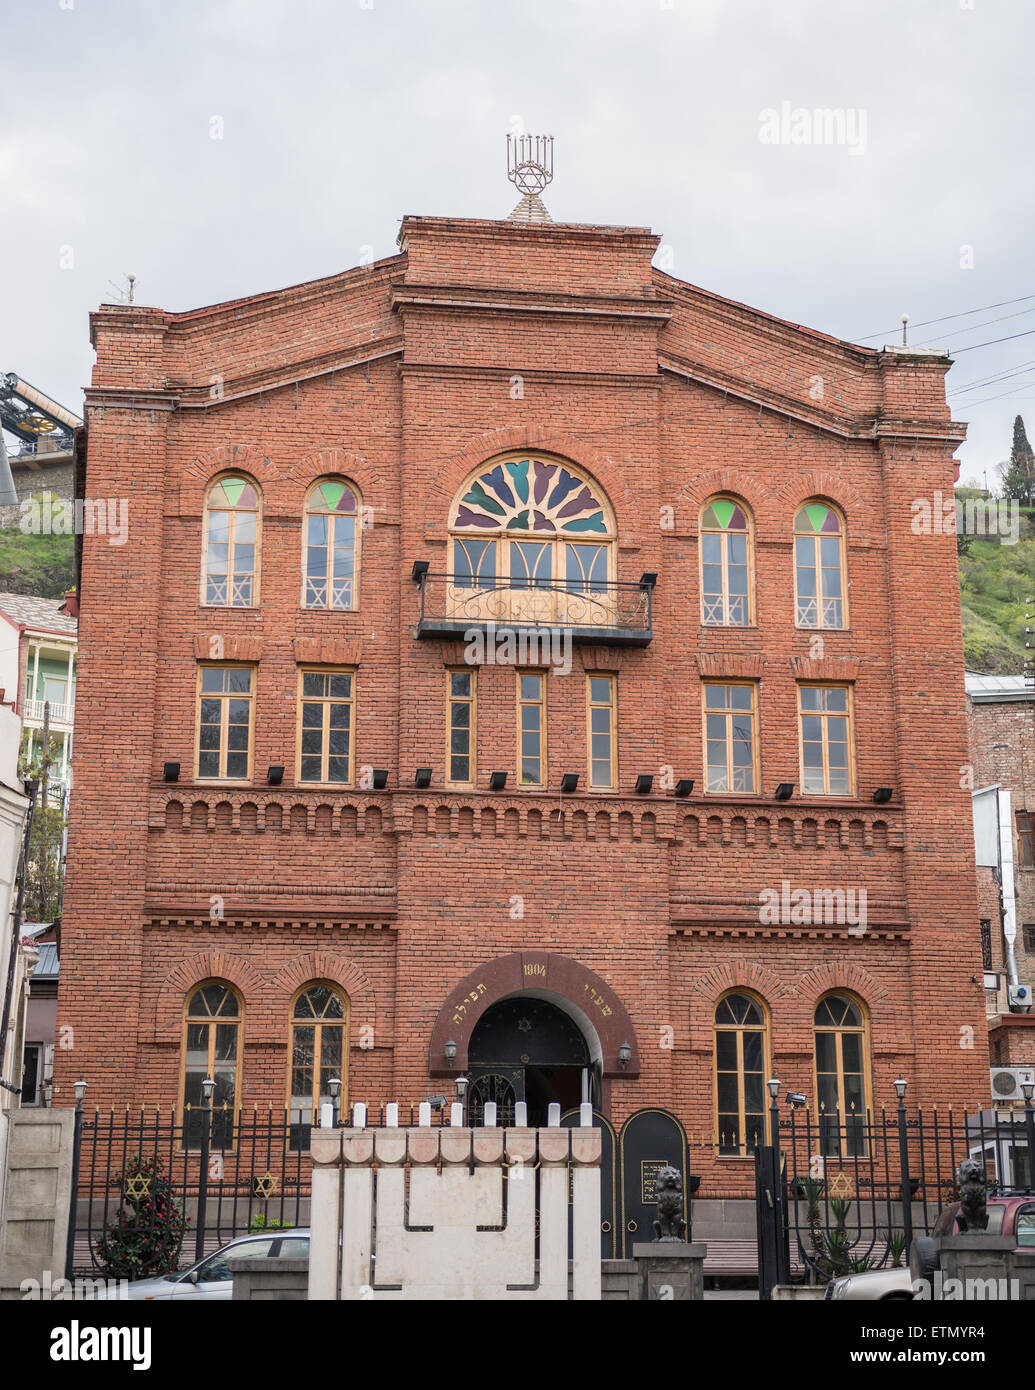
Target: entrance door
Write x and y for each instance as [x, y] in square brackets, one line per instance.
[526, 1049]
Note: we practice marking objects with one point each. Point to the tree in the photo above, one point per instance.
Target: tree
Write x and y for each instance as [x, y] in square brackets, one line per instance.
[1019, 475]
[44, 870]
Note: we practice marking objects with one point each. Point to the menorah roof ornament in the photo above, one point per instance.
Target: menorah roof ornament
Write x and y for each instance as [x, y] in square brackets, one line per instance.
[530, 169]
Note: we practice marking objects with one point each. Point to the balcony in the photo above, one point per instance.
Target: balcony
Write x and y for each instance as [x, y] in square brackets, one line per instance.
[591, 611]
[59, 714]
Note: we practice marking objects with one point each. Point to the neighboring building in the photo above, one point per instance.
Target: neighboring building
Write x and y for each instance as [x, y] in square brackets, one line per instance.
[510, 423]
[1001, 718]
[41, 1013]
[38, 666]
[13, 806]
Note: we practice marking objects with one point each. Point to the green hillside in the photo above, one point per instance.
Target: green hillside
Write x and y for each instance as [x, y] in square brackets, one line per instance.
[995, 581]
[40, 565]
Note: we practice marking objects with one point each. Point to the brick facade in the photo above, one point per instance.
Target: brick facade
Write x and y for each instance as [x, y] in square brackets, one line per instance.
[480, 339]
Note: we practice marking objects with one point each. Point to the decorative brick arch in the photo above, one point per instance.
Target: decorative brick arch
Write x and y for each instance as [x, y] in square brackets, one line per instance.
[887, 1033]
[321, 462]
[735, 481]
[536, 439]
[326, 965]
[542, 975]
[836, 487]
[207, 965]
[731, 975]
[244, 458]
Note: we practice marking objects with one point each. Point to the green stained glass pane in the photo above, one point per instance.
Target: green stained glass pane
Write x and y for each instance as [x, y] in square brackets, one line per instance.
[331, 494]
[587, 523]
[232, 488]
[723, 511]
[478, 497]
[519, 522]
[816, 514]
[519, 475]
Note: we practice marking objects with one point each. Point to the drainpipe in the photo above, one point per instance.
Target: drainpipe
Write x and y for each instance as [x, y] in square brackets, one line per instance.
[16, 924]
[1007, 894]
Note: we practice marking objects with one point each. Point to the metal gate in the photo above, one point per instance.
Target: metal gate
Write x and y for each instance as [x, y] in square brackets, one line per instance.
[771, 1220]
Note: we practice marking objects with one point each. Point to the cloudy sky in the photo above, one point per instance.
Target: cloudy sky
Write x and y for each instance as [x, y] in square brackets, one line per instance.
[337, 117]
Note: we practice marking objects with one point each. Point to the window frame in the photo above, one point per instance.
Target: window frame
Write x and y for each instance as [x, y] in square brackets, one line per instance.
[612, 705]
[839, 1031]
[816, 537]
[849, 716]
[356, 544]
[345, 1023]
[326, 701]
[203, 666]
[540, 704]
[1025, 838]
[557, 540]
[472, 701]
[752, 685]
[211, 1022]
[232, 513]
[703, 531]
[743, 1151]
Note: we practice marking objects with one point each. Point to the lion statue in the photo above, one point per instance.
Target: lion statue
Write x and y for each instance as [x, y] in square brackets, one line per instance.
[670, 1224]
[973, 1214]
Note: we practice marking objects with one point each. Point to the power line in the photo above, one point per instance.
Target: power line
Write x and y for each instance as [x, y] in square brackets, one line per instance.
[1002, 304]
[992, 342]
[1006, 395]
[983, 324]
[995, 377]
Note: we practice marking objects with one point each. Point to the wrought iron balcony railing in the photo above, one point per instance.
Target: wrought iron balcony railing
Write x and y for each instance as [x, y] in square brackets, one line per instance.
[591, 610]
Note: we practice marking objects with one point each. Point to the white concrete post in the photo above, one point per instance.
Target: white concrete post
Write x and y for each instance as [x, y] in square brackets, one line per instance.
[585, 1233]
[586, 1114]
[456, 1113]
[359, 1115]
[553, 1115]
[323, 1225]
[424, 1114]
[521, 1115]
[326, 1115]
[489, 1117]
[392, 1115]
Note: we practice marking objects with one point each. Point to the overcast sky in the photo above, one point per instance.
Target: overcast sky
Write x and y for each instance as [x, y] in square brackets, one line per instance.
[340, 116]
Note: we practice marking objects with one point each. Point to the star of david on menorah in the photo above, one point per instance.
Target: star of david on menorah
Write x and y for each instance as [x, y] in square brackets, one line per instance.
[530, 169]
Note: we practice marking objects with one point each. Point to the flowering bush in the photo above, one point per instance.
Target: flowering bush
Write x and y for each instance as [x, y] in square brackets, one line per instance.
[144, 1239]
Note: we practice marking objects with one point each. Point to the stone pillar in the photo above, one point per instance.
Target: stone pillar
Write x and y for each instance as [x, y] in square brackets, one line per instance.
[324, 1222]
[970, 1259]
[585, 1253]
[671, 1270]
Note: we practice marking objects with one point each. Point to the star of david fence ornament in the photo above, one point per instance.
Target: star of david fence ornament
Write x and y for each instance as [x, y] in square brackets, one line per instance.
[530, 169]
[137, 1186]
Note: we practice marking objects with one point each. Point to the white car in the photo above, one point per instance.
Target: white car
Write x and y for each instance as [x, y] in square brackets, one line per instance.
[211, 1277]
[874, 1284]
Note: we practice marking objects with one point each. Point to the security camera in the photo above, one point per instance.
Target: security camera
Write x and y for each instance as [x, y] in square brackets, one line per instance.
[797, 1099]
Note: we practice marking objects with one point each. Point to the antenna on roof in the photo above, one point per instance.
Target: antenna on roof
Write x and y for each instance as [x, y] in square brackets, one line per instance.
[530, 169]
[905, 324]
[124, 296]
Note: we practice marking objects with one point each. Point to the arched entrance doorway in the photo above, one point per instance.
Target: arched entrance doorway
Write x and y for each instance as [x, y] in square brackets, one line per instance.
[527, 1049]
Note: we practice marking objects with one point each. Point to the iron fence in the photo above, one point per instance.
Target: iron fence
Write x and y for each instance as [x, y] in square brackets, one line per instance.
[858, 1188]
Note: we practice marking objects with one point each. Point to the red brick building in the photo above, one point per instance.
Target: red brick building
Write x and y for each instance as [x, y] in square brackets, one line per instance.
[519, 424]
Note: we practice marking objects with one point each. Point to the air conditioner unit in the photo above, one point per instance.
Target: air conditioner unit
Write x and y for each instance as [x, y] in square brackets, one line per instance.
[1006, 1081]
[1019, 996]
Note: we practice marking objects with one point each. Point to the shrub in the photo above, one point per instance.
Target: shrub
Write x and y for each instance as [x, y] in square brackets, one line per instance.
[145, 1238]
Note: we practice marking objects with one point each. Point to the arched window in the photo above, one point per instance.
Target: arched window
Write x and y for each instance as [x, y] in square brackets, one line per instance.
[533, 541]
[842, 1074]
[230, 566]
[212, 1050]
[727, 580]
[330, 559]
[740, 1067]
[319, 1033]
[819, 568]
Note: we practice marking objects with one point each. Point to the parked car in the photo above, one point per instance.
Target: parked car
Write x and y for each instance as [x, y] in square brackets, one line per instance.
[211, 1277]
[1007, 1216]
